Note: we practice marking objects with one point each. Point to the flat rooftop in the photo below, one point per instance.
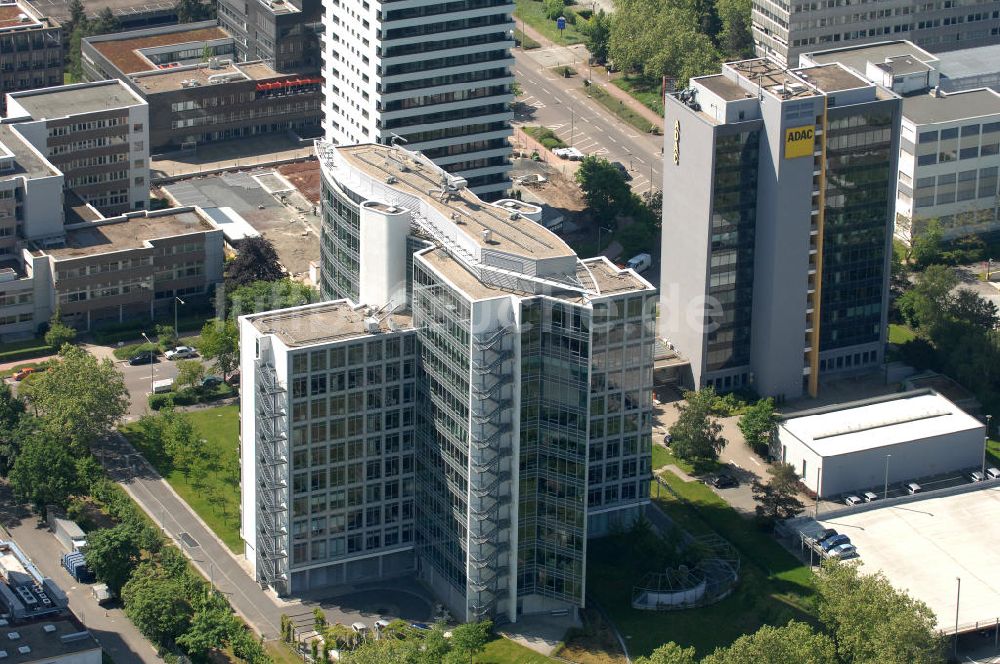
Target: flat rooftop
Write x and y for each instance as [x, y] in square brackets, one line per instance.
[950, 107]
[67, 100]
[10, 17]
[611, 279]
[773, 78]
[970, 61]
[832, 78]
[522, 237]
[858, 57]
[912, 416]
[722, 86]
[324, 323]
[27, 161]
[60, 9]
[49, 640]
[131, 233]
[161, 81]
[923, 546]
[124, 54]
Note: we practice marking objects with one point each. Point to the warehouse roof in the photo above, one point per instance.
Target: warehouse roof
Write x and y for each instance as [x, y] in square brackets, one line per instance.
[874, 423]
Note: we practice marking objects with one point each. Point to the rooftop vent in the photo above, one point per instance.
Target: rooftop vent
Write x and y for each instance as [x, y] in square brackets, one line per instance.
[487, 236]
[24, 650]
[3, 654]
[371, 325]
[48, 629]
[13, 636]
[391, 180]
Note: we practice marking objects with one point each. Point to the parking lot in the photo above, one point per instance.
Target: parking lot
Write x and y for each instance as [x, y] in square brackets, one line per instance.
[926, 546]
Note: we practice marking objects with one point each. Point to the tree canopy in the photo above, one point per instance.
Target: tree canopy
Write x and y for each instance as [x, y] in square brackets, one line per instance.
[157, 603]
[777, 498]
[45, 470]
[696, 436]
[267, 295]
[795, 643]
[756, 424]
[256, 261]
[220, 342]
[111, 554]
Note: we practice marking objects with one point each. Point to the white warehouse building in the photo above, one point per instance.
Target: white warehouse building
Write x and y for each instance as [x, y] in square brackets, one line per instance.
[854, 446]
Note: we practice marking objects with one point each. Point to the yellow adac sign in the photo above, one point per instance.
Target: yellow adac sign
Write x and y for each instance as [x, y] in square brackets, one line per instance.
[799, 141]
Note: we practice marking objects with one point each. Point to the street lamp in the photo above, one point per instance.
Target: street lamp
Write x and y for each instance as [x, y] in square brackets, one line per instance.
[986, 442]
[885, 491]
[151, 359]
[958, 597]
[177, 332]
[819, 469]
[599, 229]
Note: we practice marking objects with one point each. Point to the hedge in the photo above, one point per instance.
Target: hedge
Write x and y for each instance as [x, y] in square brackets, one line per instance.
[25, 350]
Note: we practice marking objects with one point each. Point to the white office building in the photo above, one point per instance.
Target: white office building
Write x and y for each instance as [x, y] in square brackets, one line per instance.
[435, 74]
[949, 146]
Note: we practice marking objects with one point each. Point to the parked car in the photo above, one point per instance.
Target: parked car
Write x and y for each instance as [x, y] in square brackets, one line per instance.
[24, 373]
[163, 386]
[852, 500]
[360, 628]
[724, 481]
[423, 627]
[568, 153]
[143, 357]
[836, 540]
[912, 488]
[976, 476]
[843, 551]
[869, 497]
[640, 262]
[209, 382]
[992, 473]
[825, 534]
[180, 353]
[622, 169]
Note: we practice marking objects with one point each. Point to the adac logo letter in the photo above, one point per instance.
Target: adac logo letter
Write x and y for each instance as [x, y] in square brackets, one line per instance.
[799, 141]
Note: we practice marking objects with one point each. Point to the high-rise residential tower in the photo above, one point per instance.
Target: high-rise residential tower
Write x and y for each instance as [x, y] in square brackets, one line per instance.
[784, 29]
[509, 422]
[779, 189]
[436, 74]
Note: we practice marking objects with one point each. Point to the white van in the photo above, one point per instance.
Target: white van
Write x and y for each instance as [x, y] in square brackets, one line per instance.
[640, 262]
[161, 386]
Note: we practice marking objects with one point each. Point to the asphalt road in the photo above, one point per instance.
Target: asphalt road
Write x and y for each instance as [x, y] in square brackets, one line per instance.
[139, 384]
[561, 104]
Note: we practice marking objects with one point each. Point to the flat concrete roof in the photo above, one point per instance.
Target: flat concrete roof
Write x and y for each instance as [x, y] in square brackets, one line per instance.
[951, 107]
[862, 426]
[612, 279]
[772, 77]
[123, 52]
[161, 81]
[904, 64]
[858, 57]
[521, 237]
[970, 61]
[130, 233]
[832, 78]
[922, 547]
[10, 17]
[49, 640]
[27, 162]
[64, 101]
[722, 86]
[323, 323]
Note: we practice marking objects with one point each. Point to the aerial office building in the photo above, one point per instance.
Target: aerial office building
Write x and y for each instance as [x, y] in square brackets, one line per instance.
[783, 30]
[777, 226]
[437, 75]
[477, 408]
[31, 49]
[949, 147]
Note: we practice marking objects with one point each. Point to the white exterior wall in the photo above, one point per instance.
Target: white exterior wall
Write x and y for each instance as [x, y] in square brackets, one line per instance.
[138, 117]
[382, 257]
[248, 442]
[865, 469]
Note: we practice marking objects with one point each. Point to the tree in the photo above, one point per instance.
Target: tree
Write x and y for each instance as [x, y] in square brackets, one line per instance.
[189, 11]
[80, 397]
[926, 246]
[757, 423]
[11, 422]
[220, 342]
[795, 643]
[471, 638]
[670, 653]
[603, 186]
[696, 436]
[166, 335]
[59, 333]
[112, 553]
[190, 373]
[735, 39]
[44, 472]
[177, 437]
[156, 603]
[268, 295]
[968, 307]
[924, 305]
[778, 498]
[247, 647]
[77, 15]
[871, 621]
[212, 625]
[319, 619]
[106, 22]
[598, 32]
[256, 261]
[553, 8]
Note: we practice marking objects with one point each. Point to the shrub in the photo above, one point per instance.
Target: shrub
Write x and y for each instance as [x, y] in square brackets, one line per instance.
[160, 401]
[554, 9]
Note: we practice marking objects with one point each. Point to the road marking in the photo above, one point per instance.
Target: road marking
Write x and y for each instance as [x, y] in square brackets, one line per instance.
[558, 100]
[640, 160]
[633, 135]
[546, 91]
[556, 126]
[755, 461]
[612, 138]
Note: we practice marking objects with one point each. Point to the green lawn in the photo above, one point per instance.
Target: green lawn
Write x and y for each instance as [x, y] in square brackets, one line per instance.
[645, 90]
[663, 457]
[24, 349]
[993, 450]
[545, 136]
[900, 334]
[217, 501]
[774, 587]
[524, 41]
[505, 651]
[618, 107]
[532, 12]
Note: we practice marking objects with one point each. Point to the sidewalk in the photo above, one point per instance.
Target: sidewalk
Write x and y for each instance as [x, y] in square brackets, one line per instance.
[572, 54]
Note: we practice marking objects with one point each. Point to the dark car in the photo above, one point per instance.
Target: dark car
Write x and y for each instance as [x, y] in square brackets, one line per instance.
[142, 357]
[622, 169]
[725, 482]
[825, 534]
[836, 540]
[211, 381]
